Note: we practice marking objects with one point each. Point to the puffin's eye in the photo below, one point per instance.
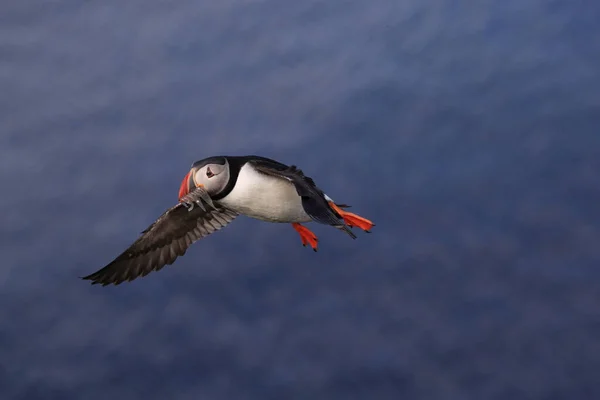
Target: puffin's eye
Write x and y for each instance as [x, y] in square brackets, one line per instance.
[209, 173]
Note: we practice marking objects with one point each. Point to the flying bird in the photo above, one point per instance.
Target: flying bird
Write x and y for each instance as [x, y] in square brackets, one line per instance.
[212, 194]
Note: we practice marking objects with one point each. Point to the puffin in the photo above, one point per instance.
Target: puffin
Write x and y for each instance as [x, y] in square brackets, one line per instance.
[214, 192]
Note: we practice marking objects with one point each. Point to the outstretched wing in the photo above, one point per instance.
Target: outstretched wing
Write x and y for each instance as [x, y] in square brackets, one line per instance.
[314, 200]
[162, 242]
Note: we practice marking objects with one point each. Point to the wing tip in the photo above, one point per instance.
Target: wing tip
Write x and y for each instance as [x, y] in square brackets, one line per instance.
[99, 279]
[93, 281]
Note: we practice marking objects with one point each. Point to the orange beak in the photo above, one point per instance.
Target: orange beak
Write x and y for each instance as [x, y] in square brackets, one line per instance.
[185, 185]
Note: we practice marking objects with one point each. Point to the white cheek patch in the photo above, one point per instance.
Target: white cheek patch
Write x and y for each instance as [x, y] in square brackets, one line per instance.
[200, 177]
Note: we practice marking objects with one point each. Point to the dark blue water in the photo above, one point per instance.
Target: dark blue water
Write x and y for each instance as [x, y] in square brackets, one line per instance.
[468, 131]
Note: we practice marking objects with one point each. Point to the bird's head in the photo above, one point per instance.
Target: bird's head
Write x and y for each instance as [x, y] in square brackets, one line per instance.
[211, 174]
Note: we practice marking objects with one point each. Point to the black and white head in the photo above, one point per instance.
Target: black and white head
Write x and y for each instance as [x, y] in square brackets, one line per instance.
[212, 174]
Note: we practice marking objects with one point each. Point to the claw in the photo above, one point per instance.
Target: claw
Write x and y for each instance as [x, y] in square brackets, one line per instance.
[352, 219]
[306, 236]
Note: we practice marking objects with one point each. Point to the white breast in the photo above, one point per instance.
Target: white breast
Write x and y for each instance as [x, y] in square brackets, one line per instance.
[266, 198]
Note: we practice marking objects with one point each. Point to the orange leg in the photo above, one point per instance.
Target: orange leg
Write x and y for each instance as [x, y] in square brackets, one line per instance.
[352, 219]
[306, 236]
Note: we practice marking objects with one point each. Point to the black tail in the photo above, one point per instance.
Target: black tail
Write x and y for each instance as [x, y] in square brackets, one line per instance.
[344, 228]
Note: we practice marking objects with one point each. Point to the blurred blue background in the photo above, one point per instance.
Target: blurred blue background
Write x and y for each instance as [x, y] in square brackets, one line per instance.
[468, 131]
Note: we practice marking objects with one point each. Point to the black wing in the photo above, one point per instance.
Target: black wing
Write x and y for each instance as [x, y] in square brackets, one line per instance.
[313, 199]
[162, 242]
[305, 186]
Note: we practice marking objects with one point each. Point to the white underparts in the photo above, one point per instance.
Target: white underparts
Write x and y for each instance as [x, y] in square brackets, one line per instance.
[265, 197]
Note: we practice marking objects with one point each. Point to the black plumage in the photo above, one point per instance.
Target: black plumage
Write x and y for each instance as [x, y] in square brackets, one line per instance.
[313, 199]
[163, 241]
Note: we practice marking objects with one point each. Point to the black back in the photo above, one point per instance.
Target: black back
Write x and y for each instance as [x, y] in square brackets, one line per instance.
[235, 165]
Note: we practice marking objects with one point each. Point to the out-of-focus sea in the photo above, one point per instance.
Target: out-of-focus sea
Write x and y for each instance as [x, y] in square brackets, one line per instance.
[468, 131]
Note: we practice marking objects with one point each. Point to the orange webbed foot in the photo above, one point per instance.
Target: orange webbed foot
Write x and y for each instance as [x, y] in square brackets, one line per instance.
[306, 236]
[352, 219]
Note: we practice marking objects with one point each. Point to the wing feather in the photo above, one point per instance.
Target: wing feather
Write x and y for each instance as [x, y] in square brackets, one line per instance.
[163, 242]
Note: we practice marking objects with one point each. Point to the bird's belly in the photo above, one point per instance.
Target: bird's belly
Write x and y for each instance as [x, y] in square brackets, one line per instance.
[266, 198]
